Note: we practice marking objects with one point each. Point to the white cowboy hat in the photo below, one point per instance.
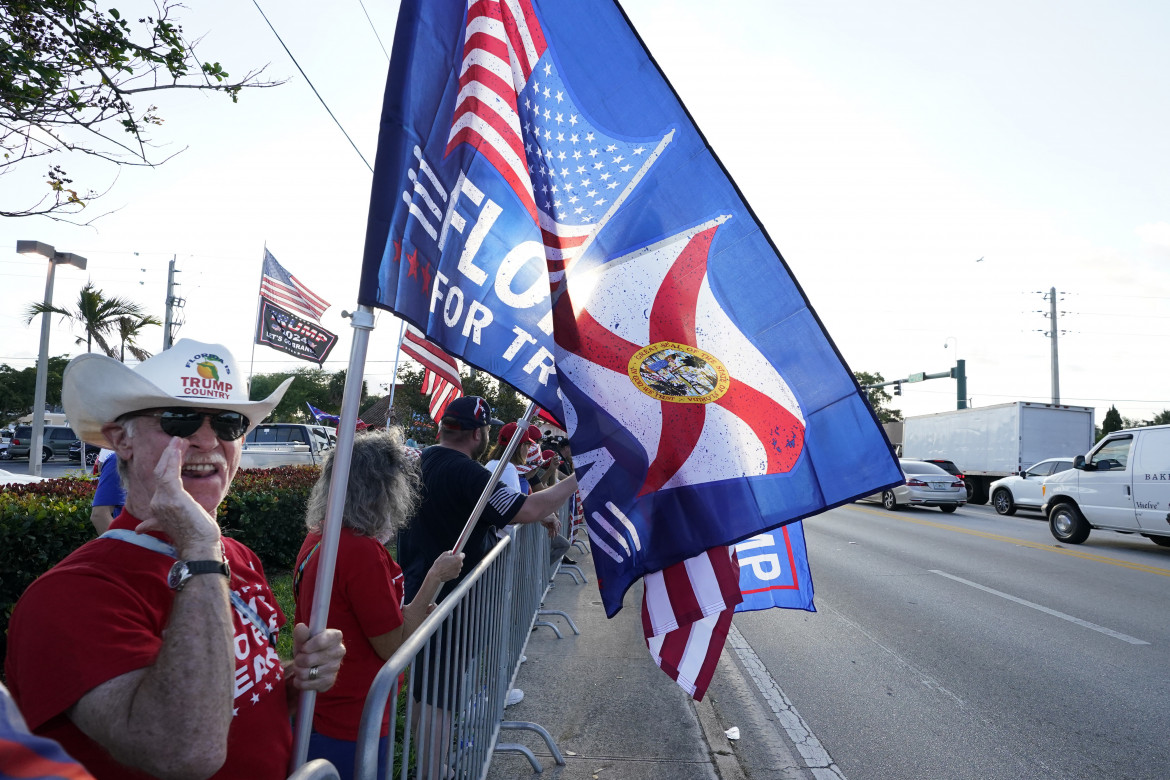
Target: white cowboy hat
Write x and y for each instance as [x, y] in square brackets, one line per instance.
[97, 390]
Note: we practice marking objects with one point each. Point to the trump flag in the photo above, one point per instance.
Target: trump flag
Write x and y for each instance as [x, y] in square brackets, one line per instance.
[544, 208]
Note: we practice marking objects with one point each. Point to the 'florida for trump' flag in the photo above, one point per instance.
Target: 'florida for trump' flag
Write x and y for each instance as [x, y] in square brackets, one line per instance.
[544, 209]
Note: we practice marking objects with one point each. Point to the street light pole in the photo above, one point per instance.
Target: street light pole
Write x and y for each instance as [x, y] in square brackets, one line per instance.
[42, 384]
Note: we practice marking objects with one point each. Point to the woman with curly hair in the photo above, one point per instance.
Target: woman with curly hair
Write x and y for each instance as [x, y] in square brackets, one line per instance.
[366, 603]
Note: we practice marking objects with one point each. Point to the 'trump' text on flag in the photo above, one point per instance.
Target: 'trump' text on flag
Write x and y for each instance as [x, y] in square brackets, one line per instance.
[293, 335]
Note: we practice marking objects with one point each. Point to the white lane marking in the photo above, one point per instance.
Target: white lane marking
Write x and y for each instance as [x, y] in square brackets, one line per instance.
[810, 748]
[1045, 610]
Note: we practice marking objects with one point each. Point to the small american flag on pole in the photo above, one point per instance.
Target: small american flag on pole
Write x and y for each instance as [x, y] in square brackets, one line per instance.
[283, 289]
[570, 175]
[441, 379]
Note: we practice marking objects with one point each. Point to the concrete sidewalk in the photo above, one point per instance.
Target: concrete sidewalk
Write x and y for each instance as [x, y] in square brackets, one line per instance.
[615, 716]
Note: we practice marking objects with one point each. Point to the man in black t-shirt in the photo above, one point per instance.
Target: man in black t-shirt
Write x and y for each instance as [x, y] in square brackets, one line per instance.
[452, 483]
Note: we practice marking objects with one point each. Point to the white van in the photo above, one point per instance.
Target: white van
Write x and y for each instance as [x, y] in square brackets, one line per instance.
[1123, 484]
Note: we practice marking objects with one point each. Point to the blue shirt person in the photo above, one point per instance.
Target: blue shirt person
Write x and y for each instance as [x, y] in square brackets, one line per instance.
[109, 496]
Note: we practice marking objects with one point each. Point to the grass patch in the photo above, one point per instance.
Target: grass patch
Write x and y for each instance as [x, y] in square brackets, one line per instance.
[281, 584]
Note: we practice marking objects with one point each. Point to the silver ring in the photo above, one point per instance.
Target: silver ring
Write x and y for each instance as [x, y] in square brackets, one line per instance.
[314, 672]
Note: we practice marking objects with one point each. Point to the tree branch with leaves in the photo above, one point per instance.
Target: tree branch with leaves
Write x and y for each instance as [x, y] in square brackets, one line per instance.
[877, 396]
[71, 75]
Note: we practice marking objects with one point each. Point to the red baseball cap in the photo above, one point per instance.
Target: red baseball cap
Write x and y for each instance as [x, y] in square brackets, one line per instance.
[531, 434]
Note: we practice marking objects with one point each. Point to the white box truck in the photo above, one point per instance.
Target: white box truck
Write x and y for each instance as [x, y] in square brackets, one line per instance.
[990, 442]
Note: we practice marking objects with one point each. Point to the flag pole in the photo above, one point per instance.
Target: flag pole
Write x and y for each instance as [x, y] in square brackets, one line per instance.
[256, 319]
[362, 321]
[505, 459]
[394, 374]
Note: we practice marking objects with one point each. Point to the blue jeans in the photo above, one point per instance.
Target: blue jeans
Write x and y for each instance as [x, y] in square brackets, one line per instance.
[341, 753]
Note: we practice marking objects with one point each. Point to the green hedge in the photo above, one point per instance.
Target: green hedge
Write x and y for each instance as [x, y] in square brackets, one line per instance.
[43, 522]
[265, 510]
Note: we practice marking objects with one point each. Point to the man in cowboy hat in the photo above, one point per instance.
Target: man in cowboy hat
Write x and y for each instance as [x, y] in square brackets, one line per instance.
[150, 651]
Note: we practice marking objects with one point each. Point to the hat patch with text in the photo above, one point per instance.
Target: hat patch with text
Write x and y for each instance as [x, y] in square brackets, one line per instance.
[206, 381]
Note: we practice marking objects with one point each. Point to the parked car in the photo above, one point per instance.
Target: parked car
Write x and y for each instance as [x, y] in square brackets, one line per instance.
[1123, 484]
[285, 444]
[1023, 491]
[949, 467]
[55, 444]
[91, 452]
[926, 485]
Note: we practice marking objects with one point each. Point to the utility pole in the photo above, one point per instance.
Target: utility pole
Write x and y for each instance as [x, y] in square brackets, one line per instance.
[1055, 354]
[173, 302]
[1052, 333]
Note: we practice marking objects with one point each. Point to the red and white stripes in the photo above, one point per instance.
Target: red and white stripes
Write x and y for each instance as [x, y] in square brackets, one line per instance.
[441, 380]
[686, 614]
[502, 44]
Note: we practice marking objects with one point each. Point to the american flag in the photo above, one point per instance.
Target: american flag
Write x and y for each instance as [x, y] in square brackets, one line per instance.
[517, 112]
[283, 289]
[686, 614]
[441, 379]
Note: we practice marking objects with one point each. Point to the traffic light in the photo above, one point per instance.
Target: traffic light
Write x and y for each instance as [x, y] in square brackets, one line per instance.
[898, 388]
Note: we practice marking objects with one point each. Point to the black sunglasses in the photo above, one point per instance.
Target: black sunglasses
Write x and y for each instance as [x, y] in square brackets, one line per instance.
[228, 426]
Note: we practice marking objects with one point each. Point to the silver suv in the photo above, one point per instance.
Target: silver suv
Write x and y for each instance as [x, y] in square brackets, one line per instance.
[56, 443]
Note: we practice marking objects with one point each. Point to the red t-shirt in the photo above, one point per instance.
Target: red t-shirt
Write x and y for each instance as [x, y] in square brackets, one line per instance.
[101, 612]
[366, 601]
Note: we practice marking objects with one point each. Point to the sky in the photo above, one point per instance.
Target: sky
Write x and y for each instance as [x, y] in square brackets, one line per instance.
[928, 171]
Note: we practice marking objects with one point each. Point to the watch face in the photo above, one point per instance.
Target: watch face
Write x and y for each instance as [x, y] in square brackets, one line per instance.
[178, 575]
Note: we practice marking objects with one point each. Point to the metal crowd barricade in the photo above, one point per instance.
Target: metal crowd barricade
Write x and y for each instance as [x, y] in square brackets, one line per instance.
[458, 666]
[317, 769]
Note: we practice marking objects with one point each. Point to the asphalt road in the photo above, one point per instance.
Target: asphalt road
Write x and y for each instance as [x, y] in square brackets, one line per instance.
[975, 646]
[57, 467]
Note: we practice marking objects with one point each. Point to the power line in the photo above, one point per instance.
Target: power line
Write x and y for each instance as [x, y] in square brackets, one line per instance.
[379, 37]
[1026, 397]
[310, 83]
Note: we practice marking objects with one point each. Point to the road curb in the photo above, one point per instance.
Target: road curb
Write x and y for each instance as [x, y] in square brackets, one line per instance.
[726, 763]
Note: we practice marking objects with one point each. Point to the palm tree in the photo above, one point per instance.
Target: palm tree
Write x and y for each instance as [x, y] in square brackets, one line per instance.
[128, 329]
[97, 316]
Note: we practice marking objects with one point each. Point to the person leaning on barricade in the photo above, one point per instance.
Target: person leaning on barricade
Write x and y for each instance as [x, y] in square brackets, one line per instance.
[452, 484]
[511, 477]
[366, 603]
[151, 650]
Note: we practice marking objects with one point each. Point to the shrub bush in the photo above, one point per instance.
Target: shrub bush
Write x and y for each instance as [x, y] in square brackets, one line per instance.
[265, 510]
[42, 522]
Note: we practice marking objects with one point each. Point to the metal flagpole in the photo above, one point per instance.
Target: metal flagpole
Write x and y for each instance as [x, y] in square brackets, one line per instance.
[505, 459]
[362, 321]
[394, 375]
[252, 360]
